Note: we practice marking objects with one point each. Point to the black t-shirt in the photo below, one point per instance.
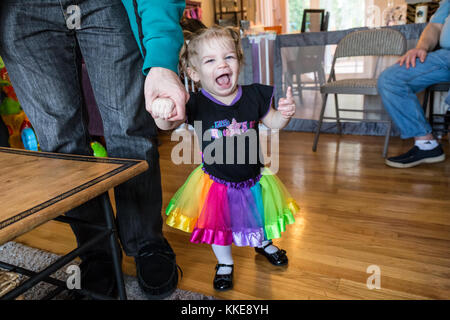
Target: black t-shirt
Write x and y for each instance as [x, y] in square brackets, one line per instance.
[229, 135]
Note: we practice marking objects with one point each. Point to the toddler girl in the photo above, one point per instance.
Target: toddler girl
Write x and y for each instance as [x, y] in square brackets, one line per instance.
[230, 197]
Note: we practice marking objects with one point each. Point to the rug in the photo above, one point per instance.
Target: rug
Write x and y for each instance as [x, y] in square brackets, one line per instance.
[34, 259]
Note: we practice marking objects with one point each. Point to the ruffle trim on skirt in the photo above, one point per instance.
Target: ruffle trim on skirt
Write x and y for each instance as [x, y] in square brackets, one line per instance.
[246, 237]
[181, 222]
[274, 230]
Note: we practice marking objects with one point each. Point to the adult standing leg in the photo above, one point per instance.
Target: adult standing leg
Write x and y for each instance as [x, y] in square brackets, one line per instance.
[42, 56]
[114, 64]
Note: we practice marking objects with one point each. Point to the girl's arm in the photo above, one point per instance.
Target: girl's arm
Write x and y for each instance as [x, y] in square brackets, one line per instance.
[278, 119]
[168, 125]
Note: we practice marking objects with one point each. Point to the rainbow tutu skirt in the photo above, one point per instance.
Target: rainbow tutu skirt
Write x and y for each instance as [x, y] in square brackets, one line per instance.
[219, 212]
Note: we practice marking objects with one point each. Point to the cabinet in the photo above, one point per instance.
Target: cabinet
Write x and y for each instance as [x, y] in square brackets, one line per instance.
[230, 12]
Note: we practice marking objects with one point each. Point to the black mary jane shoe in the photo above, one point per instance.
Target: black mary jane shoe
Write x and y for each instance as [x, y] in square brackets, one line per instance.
[223, 282]
[278, 258]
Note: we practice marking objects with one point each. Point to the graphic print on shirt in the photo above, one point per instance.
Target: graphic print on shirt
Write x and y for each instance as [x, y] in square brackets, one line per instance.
[224, 128]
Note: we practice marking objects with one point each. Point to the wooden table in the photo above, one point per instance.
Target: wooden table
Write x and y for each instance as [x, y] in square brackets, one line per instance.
[36, 187]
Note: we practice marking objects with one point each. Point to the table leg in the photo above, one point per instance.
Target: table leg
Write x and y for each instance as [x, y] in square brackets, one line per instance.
[114, 245]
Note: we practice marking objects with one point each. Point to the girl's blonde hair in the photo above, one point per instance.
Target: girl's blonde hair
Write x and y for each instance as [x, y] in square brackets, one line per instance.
[193, 39]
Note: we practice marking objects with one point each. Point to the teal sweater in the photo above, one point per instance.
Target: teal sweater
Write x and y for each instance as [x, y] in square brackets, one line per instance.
[156, 27]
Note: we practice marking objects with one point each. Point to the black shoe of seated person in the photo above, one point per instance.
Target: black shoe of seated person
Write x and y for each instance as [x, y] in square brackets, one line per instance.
[157, 270]
[416, 156]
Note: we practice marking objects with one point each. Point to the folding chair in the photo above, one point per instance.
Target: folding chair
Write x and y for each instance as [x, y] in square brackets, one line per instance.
[376, 42]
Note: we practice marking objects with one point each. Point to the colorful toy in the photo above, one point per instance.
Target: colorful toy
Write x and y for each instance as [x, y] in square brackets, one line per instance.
[99, 150]
[21, 134]
[29, 139]
[14, 122]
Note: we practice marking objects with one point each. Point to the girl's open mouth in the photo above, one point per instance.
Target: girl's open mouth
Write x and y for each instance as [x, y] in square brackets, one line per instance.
[224, 81]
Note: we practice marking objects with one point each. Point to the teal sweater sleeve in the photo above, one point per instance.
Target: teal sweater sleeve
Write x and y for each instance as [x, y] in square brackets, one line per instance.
[156, 27]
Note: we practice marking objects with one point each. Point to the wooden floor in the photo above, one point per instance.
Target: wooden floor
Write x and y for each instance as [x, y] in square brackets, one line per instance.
[355, 212]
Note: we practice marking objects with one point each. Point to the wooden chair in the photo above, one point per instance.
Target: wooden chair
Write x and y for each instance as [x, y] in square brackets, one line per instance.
[376, 42]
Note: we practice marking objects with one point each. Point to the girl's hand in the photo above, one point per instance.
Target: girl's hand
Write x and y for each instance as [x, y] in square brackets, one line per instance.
[162, 108]
[286, 106]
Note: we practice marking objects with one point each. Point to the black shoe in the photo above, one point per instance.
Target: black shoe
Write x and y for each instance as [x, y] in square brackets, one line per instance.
[415, 156]
[157, 270]
[278, 258]
[223, 282]
[97, 276]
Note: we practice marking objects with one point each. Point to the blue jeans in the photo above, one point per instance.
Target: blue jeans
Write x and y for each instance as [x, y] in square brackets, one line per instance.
[43, 57]
[398, 87]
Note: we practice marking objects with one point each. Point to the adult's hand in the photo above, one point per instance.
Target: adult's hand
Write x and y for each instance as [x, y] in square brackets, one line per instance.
[409, 58]
[164, 83]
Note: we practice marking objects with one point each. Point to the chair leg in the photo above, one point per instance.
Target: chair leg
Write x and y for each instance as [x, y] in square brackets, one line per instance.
[299, 86]
[431, 119]
[319, 125]
[386, 140]
[287, 83]
[425, 102]
[338, 119]
[322, 77]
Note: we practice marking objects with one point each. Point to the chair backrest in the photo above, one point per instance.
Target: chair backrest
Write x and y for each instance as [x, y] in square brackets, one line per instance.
[374, 42]
[308, 15]
[188, 83]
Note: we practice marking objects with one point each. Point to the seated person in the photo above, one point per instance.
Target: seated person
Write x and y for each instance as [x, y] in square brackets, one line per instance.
[418, 69]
